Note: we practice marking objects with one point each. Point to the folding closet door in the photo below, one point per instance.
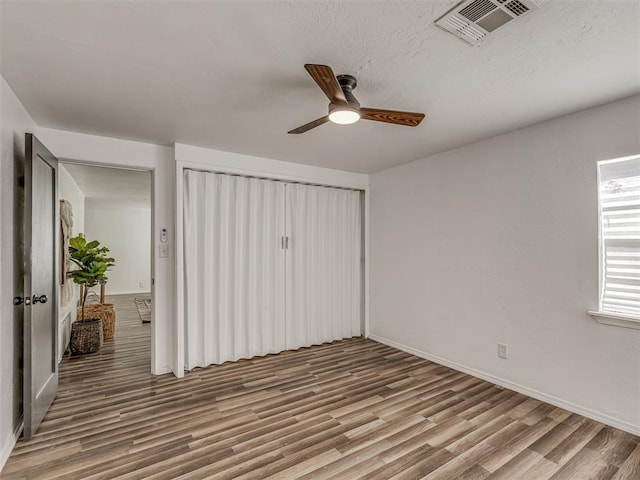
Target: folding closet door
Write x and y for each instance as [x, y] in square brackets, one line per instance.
[233, 267]
[323, 265]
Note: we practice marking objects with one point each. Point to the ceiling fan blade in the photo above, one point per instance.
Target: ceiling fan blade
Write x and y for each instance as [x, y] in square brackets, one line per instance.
[310, 125]
[409, 119]
[326, 80]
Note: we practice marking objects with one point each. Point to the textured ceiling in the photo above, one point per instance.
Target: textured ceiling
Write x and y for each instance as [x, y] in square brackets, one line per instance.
[229, 74]
[113, 187]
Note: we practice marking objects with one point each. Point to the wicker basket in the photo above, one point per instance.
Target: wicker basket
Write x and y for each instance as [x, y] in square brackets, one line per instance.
[86, 337]
[104, 311]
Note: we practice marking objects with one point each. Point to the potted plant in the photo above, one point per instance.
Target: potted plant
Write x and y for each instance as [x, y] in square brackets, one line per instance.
[92, 262]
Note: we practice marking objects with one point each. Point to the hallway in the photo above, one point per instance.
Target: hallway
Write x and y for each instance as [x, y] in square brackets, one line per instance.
[90, 387]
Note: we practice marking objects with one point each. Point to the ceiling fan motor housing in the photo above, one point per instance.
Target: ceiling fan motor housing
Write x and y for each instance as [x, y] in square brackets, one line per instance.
[348, 83]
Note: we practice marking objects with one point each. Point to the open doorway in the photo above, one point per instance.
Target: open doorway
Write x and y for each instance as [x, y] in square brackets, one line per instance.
[113, 206]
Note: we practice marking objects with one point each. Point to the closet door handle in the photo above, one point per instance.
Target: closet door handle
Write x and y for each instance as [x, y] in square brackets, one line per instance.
[41, 299]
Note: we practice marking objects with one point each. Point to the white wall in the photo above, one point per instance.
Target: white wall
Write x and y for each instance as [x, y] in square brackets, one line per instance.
[498, 242]
[69, 190]
[14, 123]
[126, 231]
[96, 150]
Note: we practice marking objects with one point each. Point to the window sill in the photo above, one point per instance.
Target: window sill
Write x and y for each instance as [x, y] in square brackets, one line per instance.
[624, 320]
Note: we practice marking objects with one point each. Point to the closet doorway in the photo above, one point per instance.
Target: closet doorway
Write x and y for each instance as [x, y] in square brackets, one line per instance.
[268, 266]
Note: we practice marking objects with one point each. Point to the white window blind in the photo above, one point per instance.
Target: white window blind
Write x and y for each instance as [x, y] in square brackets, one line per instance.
[619, 182]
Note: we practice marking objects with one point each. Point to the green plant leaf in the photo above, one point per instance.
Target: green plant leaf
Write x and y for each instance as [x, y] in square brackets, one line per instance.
[77, 242]
[92, 262]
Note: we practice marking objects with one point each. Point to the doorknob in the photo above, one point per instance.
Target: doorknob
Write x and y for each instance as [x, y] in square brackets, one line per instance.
[41, 299]
[20, 300]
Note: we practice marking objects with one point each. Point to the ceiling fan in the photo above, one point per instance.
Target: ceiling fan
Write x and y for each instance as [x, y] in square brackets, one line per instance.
[344, 108]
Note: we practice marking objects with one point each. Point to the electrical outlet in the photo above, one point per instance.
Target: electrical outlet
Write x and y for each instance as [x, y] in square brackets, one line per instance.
[141, 284]
[502, 350]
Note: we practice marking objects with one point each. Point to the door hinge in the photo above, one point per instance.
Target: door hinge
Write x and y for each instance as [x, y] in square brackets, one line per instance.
[284, 242]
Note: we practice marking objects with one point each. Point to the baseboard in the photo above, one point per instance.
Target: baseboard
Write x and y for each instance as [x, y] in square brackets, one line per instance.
[162, 371]
[544, 397]
[8, 448]
[139, 292]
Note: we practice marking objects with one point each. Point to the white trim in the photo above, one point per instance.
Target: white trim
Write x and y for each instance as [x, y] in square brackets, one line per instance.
[153, 327]
[234, 163]
[600, 242]
[178, 333]
[85, 149]
[544, 397]
[8, 446]
[625, 320]
[608, 318]
[135, 292]
[367, 263]
[616, 160]
[162, 370]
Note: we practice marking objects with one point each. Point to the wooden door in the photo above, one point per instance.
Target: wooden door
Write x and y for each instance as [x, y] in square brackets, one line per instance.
[40, 277]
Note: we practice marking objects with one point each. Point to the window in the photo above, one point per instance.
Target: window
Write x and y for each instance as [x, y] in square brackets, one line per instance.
[619, 203]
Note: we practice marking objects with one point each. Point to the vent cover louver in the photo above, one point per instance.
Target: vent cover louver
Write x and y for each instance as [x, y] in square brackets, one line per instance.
[472, 20]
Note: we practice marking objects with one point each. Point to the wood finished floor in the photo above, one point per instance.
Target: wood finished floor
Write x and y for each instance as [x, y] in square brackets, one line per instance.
[352, 409]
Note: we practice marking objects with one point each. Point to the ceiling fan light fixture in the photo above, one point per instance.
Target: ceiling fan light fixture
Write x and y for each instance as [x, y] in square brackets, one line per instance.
[344, 108]
[344, 115]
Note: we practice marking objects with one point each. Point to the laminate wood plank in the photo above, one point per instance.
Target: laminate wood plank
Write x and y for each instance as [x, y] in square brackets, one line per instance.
[312, 446]
[305, 466]
[357, 458]
[517, 444]
[585, 464]
[559, 414]
[352, 409]
[614, 446]
[476, 472]
[552, 438]
[382, 434]
[542, 469]
[449, 430]
[476, 436]
[516, 466]
[484, 406]
[630, 468]
[409, 440]
[424, 465]
[574, 442]
[401, 463]
[537, 414]
[498, 409]
[478, 397]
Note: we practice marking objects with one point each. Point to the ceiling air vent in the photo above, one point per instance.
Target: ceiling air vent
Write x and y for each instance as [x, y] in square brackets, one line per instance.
[472, 20]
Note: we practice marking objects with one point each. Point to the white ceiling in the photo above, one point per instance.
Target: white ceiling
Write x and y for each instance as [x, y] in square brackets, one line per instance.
[112, 187]
[229, 74]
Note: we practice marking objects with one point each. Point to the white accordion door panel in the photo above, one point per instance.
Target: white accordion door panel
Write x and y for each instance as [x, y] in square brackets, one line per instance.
[233, 267]
[323, 271]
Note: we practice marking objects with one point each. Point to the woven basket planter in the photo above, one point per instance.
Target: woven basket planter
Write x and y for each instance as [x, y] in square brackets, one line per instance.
[108, 320]
[105, 312]
[86, 337]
